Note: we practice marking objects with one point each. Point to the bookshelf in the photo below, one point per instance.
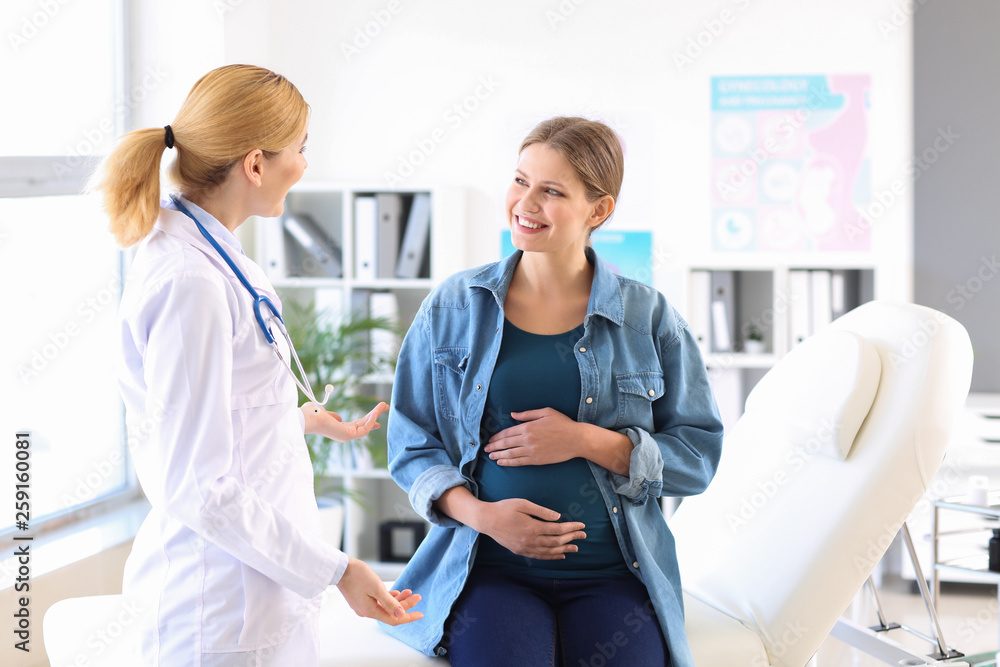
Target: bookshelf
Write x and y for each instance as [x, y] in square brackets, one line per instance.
[782, 299]
[354, 225]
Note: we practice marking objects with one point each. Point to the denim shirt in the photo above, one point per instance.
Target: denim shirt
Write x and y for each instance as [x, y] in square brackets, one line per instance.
[642, 374]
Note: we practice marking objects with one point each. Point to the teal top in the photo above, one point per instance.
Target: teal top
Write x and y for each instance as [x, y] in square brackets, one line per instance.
[536, 371]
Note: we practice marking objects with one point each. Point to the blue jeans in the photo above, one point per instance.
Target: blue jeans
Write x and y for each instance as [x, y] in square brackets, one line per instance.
[505, 619]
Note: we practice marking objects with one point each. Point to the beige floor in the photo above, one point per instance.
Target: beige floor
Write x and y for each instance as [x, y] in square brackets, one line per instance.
[968, 614]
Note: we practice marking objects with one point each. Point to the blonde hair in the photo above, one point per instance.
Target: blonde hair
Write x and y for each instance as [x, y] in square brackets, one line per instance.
[591, 148]
[229, 112]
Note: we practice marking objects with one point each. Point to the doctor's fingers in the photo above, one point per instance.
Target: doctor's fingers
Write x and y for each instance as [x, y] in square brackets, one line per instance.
[407, 599]
[393, 611]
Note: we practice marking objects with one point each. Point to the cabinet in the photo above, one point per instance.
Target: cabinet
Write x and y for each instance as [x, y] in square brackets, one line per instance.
[338, 246]
[747, 315]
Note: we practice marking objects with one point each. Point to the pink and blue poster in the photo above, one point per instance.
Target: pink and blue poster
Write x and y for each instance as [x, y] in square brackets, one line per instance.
[790, 165]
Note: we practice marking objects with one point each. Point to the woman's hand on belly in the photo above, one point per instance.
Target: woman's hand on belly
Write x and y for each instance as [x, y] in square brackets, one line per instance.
[548, 436]
[530, 530]
[544, 436]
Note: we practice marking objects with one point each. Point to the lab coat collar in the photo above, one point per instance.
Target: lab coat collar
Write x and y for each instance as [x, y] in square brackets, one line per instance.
[183, 227]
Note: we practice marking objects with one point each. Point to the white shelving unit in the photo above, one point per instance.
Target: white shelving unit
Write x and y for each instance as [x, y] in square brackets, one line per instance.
[372, 497]
[762, 294]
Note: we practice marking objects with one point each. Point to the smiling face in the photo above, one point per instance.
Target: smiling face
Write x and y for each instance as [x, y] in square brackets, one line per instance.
[546, 204]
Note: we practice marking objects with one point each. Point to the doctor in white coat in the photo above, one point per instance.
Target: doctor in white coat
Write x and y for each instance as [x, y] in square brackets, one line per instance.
[228, 568]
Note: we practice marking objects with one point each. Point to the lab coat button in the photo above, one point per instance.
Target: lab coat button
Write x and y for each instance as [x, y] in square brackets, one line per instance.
[589, 400]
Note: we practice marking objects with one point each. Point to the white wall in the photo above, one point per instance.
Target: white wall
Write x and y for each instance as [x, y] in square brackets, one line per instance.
[384, 77]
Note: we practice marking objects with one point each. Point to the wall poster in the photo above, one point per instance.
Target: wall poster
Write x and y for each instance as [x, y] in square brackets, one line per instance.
[790, 164]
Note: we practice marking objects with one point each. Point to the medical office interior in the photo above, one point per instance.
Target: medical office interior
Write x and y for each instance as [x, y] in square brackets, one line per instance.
[421, 106]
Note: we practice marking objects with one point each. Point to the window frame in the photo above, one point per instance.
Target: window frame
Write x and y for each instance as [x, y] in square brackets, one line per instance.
[60, 175]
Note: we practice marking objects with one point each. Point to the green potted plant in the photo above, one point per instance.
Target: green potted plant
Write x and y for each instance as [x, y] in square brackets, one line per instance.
[754, 343]
[336, 351]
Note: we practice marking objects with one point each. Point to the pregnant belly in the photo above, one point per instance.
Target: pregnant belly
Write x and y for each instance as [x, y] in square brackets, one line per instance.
[568, 488]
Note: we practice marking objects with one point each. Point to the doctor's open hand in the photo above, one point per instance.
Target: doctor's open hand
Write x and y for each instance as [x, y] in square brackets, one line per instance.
[330, 425]
[368, 597]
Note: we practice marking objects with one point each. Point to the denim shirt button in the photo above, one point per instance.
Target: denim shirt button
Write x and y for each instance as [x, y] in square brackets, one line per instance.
[583, 349]
[635, 564]
[479, 387]
[615, 510]
[589, 400]
[652, 393]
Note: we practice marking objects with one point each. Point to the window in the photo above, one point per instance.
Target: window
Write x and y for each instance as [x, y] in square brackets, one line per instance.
[61, 270]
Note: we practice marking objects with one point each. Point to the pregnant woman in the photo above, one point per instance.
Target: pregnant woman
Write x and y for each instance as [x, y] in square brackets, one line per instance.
[542, 404]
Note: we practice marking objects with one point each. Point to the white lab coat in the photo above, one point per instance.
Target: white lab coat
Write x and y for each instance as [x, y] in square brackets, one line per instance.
[228, 568]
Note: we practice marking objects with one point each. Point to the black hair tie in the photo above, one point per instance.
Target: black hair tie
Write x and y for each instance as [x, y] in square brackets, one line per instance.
[170, 136]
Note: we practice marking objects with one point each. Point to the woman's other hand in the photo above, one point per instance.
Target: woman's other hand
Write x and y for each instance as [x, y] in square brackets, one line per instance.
[530, 530]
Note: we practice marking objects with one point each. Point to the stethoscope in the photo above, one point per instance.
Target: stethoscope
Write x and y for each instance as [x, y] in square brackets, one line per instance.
[259, 303]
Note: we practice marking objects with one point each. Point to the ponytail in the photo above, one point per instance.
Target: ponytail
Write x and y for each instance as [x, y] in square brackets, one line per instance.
[129, 178]
[229, 112]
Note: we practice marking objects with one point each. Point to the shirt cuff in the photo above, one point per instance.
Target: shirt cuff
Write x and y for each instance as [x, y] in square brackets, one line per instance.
[341, 567]
[429, 486]
[644, 470]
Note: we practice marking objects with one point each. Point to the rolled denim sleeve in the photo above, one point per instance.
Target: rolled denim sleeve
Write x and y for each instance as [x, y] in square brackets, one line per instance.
[420, 460]
[680, 456]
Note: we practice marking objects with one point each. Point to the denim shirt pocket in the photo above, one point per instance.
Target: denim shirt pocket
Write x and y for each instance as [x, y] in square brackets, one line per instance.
[636, 394]
[450, 364]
